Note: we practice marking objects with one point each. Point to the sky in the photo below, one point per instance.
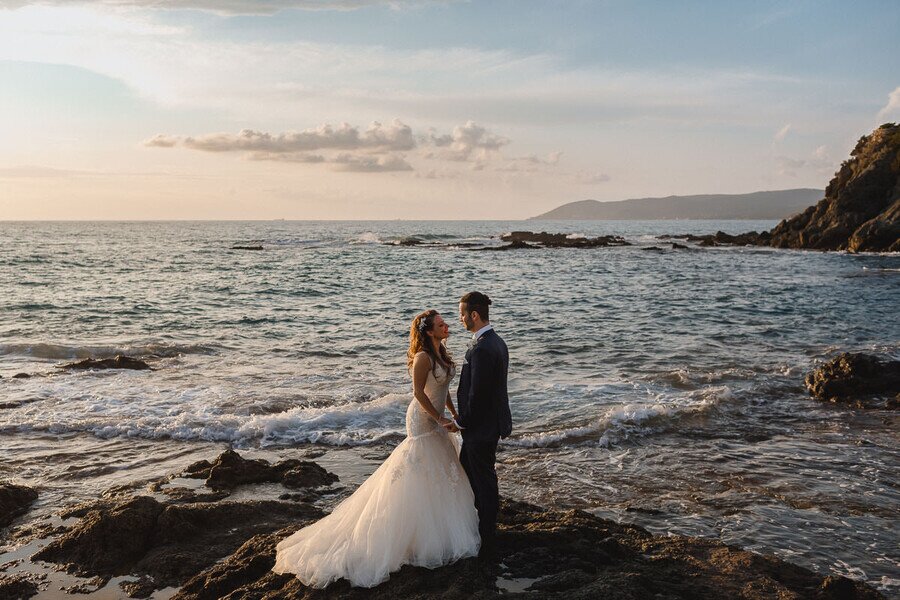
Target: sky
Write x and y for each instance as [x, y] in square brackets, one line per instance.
[427, 109]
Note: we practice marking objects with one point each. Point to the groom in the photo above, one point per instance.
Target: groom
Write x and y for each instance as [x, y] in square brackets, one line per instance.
[484, 415]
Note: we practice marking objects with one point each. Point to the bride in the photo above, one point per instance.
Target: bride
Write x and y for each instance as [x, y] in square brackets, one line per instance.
[417, 508]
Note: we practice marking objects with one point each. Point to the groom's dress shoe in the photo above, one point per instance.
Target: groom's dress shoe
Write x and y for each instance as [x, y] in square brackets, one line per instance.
[488, 551]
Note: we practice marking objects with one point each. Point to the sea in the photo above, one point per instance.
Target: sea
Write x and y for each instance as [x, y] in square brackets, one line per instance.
[649, 384]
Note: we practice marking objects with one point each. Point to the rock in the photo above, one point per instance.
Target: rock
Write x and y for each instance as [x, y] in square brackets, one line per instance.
[861, 207]
[182, 494]
[525, 239]
[105, 542]
[572, 555]
[14, 500]
[307, 474]
[720, 238]
[861, 380]
[514, 245]
[409, 241]
[837, 587]
[676, 246]
[230, 470]
[167, 542]
[198, 470]
[142, 588]
[22, 376]
[86, 587]
[119, 362]
[299, 497]
[33, 531]
[19, 586]
[246, 247]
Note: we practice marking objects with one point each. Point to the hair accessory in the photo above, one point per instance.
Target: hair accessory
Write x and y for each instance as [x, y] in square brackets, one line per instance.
[423, 325]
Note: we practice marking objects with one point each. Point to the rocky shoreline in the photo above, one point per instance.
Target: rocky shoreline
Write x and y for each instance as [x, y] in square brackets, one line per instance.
[211, 546]
[208, 540]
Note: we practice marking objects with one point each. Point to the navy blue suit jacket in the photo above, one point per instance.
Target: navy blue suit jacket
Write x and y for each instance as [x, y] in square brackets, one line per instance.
[482, 397]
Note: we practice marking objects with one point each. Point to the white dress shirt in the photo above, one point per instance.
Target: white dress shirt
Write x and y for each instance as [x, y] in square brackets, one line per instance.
[481, 331]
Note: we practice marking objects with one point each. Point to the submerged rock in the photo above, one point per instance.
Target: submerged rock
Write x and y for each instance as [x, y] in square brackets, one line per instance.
[167, 542]
[14, 500]
[560, 554]
[861, 380]
[247, 248]
[119, 362]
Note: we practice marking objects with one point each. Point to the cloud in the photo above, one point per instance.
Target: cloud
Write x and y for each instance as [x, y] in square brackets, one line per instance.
[468, 142]
[377, 138]
[250, 7]
[892, 108]
[291, 157]
[782, 133]
[162, 141]
[370, 164]
[529, 164]
[377, 149]
[592, 178]
[374, 150]
[819, 161]
[34, 172]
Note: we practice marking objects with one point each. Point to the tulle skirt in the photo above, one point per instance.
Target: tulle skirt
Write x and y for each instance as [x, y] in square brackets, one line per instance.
[417, 508]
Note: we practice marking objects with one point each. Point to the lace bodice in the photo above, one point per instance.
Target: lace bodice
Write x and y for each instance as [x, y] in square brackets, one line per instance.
[418, 422]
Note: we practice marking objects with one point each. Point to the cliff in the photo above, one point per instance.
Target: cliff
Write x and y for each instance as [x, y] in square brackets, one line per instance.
[861, 207]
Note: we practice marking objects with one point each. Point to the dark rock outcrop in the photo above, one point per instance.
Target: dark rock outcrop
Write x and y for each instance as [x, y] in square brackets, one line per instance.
[107, 540]
[861, 207]
[14, 500]
[168, 543]
[720, 238]
[230, 470]
[530, 239]
[246, 247]
[19, 586]
[119, 362]
[570, 555]
[860, 380]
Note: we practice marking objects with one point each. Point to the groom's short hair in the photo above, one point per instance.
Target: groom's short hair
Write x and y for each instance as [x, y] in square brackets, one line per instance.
[479, 303]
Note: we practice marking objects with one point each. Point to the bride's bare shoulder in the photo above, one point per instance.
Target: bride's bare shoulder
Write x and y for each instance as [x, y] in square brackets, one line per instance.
[420, 358]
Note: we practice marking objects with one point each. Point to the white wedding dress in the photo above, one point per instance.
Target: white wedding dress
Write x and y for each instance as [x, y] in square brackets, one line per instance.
[417, 508]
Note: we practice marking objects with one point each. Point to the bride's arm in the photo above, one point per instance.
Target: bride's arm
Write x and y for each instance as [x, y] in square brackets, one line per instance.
[421, 366]
[450, 406]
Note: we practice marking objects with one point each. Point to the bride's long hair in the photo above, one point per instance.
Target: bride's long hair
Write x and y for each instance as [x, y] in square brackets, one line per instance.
[419, 342]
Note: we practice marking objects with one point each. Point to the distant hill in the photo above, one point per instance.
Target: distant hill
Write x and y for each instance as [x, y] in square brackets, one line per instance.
[778, 204]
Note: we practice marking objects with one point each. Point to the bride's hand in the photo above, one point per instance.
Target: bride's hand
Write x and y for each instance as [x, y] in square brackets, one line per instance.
[444, 421]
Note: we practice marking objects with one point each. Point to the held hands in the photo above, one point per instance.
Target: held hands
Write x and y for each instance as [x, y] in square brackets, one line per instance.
[448, 424]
